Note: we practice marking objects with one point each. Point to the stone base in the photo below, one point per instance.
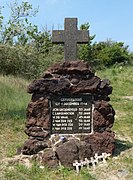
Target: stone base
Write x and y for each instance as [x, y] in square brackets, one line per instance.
[68, 78]
[71, 148]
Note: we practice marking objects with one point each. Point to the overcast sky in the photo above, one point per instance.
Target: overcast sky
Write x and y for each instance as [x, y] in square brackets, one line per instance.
[108, 19]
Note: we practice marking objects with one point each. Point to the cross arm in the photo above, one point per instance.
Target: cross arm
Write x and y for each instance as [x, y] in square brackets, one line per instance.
[82, 36]
[58, 36]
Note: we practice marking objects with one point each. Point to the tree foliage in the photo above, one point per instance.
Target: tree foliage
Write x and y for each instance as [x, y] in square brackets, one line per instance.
[23, 48]
[85, 50]
[19, 31]
[104, 54]
[26, 51]
[110, 52]
[16, 30]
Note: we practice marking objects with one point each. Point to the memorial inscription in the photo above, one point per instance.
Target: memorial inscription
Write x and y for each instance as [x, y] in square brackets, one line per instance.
[71, 114]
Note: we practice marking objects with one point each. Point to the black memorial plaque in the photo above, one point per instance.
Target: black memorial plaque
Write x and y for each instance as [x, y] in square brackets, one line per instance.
[71, 114]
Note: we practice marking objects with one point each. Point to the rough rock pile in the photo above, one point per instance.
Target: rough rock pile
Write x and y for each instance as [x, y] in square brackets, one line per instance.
[68, 78]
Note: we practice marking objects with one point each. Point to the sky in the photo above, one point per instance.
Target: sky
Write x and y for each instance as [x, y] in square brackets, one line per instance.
[108, 19]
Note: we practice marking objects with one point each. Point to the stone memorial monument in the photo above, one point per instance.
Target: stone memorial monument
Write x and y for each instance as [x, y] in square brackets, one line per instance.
[69, 117]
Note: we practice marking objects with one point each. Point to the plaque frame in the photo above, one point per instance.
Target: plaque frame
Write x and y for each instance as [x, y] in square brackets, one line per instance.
[84, 100]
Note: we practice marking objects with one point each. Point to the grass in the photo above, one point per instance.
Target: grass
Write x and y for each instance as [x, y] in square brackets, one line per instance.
[22, 173]
[13, 102]
[122, 81]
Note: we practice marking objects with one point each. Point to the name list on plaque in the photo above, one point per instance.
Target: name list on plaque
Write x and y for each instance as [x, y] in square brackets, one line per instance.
[71, 115]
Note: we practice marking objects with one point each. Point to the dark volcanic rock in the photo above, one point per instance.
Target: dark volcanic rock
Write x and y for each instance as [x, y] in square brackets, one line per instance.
[48, 158]
[68, 78]
[85, 150]
[38, 109]
[72, 67]
[37, 132]
[67, 153]
[49, 85]
[103, 116]
[101, 142]
[86, 86]
[33, 146]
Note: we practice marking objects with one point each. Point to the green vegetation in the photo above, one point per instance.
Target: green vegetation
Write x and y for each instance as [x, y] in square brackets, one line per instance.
[25, 52]
[25, 61]
[13, 104]
[14, 100]
[35, 173]
[122, 79]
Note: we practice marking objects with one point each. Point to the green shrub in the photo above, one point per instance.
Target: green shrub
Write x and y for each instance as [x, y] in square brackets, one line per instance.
[25, 61]
[109, 53]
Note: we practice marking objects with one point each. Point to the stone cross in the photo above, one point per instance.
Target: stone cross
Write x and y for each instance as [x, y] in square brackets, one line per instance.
[70, 37]
[77, 165]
